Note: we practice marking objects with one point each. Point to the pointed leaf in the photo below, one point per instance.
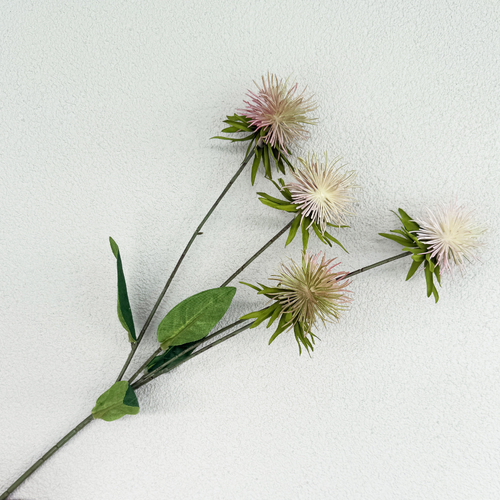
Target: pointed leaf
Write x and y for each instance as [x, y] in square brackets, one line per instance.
[116, 402]
[123, 305]
[413, 268]
[256, 163]
[305, 234]
[169, 354]
[428, 280]
[293, 230]
[194, 318]
[397, 239]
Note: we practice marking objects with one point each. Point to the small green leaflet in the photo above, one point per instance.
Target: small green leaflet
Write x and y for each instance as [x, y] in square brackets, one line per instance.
[116, 402]
[123, 306]
[195, 317]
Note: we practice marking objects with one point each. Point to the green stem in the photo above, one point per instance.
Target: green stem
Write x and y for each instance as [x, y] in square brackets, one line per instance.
[179, 262]
[164, 368]
[255, 255]
[372, 266]
[244, 266]
[45, 457]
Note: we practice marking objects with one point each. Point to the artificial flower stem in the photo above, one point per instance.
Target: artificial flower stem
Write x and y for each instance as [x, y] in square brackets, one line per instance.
[372, 266]
[244, 266]
[165, 369]
[179, 262]
[255, 255]
[143, 366]
[45, 457]
[189, 349]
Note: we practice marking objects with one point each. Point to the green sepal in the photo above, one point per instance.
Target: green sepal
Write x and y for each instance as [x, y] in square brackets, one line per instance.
[123, 305]
[397, 239]
[413, 268]
[232, 139]
[418, 258]
[256, 163]
[408, 223]
[194, 318]
[335, 240]
[437, 273]
[119, 400]
[293, 230]
[305, 233]
[428, 279]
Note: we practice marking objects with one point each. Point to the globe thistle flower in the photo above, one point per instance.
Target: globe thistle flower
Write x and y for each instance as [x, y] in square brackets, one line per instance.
[450, 234]
[280, 111]
[275, 118]
[322, 192]
[447, 236]
[321, 196]
[305, 294]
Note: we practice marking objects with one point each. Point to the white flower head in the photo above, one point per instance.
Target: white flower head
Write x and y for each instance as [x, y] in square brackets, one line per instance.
[451, 234]
[323, 191]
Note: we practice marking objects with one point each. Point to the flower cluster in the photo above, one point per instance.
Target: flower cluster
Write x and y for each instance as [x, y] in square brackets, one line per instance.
[445, 237]
[305, 294]
[321, 194]
[275, 118]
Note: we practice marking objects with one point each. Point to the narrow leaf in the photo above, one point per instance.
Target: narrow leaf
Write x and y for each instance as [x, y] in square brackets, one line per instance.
[428, 279]
[169, 354]
[293, 230]
[413, 268]
[123, 305]
[305, 234]
[397, 239]
[256, 163]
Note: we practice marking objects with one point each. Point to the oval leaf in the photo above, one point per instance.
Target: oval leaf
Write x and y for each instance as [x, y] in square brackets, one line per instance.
[116, 402]
[194, 317]
[123, 306]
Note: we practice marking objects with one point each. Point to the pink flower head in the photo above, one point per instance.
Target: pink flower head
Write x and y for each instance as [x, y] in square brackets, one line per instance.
[451, 235]
[311, 291]
[280, 111]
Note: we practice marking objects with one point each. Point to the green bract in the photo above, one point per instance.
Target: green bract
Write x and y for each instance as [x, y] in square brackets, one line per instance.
[123, 306]
[305, 223]
[119, 400]
[263, 152]
[420, 251]
[194, 318]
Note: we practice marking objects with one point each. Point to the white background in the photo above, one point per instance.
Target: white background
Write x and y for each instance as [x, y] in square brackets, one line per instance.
[106, 110]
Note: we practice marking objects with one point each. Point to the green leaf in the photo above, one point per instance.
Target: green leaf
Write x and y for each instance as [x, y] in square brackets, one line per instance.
[123, 306]
[305, 233]
[232, 139]
[437, 273]
[335, 240]
[230, 130]
[267, 164]
[256, 163]
[397, 239]
[116, 402]
[414, 266]
[272, 198]
[407, 222]
[293, 230]
[435, 293]
[237, 126]
[428, 279]
[169, 354]
[418, 258]
[194, 318]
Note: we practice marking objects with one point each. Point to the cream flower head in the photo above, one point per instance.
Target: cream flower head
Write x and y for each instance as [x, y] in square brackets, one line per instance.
[323, 192]
[450, 234]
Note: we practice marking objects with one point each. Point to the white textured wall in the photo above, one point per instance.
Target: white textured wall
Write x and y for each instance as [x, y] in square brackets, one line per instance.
[106, 108]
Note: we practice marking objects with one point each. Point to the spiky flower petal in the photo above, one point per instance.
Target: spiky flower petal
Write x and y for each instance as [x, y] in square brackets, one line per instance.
[280, 111]
[311, 291]
[323, 192]
[451, 235]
